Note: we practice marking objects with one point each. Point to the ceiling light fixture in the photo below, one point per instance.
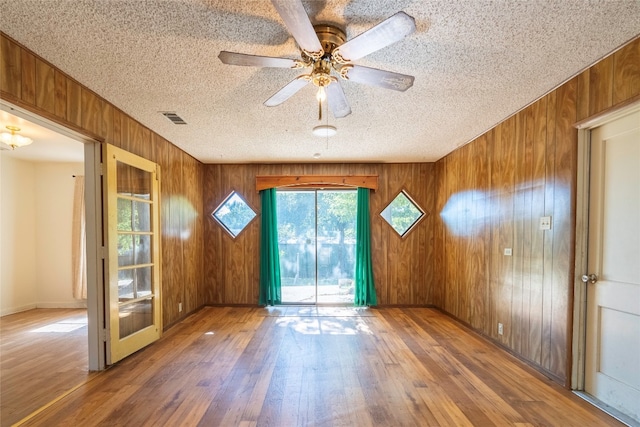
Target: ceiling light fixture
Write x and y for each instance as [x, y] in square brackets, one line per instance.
[12, 139]
[324, 130]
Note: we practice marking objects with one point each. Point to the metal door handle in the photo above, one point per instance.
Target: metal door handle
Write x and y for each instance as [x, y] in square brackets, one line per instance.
[591, 278]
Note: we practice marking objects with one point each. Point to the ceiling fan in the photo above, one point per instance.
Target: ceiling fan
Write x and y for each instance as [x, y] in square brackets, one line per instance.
[324, 48]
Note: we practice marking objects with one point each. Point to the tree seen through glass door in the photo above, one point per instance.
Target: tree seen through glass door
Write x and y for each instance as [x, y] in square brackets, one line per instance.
[316, 238]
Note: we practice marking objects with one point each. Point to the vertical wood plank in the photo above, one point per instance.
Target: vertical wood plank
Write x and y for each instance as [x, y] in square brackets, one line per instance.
[583, 95]
[439, 257]
[601, 86]
[548, 259]
[506, 233]
[10, 67]
[74, 103]
[450, 281]
[45, 86]
[116, 137]
[626, 72]
[190, 233]
[380, 235]
[564, 238]
[28, 77]
[91, 112]
[479, 237]
[538, 135]
[519, 219]
[60, 96]
[530, 224]
[106, 124]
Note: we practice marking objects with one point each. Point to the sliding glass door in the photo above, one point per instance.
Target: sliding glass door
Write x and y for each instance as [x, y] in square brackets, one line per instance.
[316, 239]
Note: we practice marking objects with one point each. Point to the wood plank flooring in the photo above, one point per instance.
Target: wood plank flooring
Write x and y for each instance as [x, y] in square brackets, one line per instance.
[232, 366]
[43, 353]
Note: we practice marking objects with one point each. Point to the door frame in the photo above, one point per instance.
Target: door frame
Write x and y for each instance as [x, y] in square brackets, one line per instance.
[579, 338]
[96, 333]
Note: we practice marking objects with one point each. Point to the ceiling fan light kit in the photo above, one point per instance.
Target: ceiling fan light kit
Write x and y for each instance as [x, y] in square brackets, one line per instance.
[325, 49]
[14, 140]
[324, 131]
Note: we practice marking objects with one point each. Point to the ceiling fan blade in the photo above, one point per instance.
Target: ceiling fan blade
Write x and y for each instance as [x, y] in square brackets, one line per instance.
[375, 77]
[387, 32]
[297, 21]
[337, 101]
[287, 92]
[233, 58]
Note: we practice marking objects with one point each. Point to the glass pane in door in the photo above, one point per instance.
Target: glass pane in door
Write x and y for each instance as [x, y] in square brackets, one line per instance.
[297, 243]
[135, 241]
[336, 245]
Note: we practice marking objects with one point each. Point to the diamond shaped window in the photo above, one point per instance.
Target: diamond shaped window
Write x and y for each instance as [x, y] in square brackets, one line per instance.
[234, 214]
[402, 213]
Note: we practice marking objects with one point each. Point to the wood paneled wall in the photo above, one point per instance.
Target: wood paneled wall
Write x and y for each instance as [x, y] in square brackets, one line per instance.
[33, 84]
[403, 268]
[490, 196]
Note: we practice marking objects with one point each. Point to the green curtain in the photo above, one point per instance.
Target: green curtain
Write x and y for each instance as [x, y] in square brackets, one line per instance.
[269, 256]
[365, 291]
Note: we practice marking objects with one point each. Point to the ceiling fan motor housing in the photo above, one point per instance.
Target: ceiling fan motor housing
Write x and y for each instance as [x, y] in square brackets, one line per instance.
[330, 38]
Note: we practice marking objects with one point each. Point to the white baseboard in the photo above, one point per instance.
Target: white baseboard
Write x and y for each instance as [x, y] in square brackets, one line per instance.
[14, 310]
[73, 304]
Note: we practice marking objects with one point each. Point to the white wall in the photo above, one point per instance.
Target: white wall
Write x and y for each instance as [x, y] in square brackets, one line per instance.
[18, 287]
[54, 187]
[36, 234]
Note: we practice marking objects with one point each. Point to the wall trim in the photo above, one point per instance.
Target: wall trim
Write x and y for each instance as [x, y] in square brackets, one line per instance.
[264, 182]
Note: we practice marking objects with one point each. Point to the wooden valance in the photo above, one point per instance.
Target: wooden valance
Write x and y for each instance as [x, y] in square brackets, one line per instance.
[312, 181]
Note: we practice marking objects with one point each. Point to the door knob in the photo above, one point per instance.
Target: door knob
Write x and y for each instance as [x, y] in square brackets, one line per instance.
[591, 278]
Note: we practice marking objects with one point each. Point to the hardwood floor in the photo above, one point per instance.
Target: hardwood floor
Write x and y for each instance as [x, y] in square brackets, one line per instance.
[43, 353]
[294, 366]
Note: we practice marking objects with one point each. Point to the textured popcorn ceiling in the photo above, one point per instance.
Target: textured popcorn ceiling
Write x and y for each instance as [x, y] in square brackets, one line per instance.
[475, 63]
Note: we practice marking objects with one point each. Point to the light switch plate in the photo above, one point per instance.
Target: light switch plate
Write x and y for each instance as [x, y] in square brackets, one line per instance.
[508, 251]
[545, 223]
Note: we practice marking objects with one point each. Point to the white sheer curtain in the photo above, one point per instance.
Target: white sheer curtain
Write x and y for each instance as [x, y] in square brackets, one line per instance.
[78, 236]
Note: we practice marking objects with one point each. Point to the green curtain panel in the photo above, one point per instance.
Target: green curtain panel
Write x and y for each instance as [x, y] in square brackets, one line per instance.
[365, 291]
[269, 257]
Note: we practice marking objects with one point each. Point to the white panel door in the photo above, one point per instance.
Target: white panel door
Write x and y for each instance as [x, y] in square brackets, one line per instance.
[612, 369]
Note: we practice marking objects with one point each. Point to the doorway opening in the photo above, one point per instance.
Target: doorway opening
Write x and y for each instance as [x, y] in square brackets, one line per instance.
[41, 315]
[316, 241]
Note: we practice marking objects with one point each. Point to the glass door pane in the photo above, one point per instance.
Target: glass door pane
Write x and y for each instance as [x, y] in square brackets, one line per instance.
[297, 243]
[336, 245]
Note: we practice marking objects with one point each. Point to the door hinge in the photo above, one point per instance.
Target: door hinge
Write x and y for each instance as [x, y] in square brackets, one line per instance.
[103, 335]
[103, 252]
[101, 169]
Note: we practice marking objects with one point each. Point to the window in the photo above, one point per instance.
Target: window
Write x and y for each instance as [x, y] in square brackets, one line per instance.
[402, 214]
[234, 214]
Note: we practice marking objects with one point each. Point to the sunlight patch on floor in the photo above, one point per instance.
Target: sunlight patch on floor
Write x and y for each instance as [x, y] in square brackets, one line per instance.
[325, 325]
[68, 325]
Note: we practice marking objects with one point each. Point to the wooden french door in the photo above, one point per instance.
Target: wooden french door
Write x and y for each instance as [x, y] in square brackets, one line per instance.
[612, 365]
[133, 245]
